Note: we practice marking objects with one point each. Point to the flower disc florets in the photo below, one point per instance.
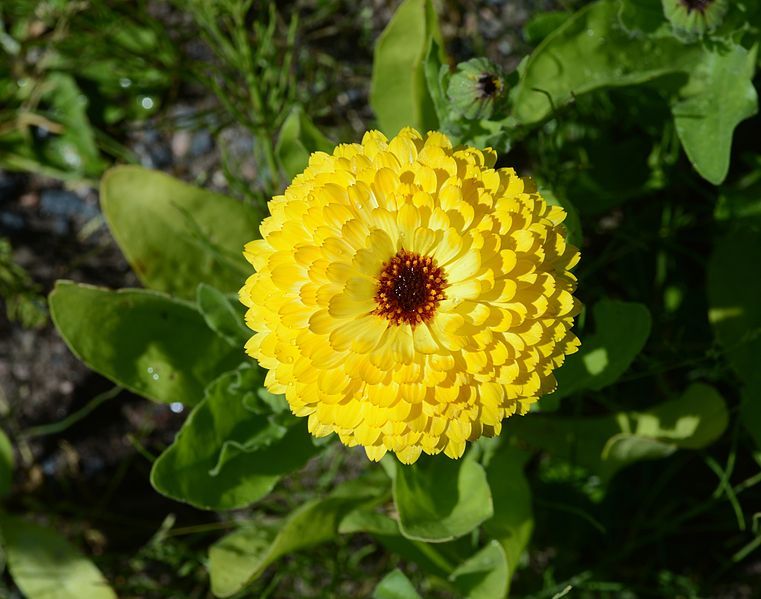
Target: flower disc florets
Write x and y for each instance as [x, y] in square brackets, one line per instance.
[408, 296]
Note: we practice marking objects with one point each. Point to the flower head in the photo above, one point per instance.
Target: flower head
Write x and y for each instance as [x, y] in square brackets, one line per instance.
[475, 88]
[408, 296]
[693, 18]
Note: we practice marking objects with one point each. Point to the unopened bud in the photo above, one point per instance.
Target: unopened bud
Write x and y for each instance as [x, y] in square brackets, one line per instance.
[475, 88]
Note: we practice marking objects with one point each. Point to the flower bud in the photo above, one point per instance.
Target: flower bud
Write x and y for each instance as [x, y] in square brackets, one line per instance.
[475, 88]
[693, 18]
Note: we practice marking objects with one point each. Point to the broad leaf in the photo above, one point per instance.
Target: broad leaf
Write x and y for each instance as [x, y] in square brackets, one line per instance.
[621, 330]
[174, 235]
[398, 93]
[241, 557]
[606, 444]
[513, 520]
[717, 97]
[223, 315]
[439, 500]
[483, 576]
[395, 585]
[6, 464]
[45, 566]
[298, 139]
[231, 450]
[591, 51]
[153, 345]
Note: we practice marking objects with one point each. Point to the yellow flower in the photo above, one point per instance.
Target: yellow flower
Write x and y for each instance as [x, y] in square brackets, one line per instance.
[408, 296]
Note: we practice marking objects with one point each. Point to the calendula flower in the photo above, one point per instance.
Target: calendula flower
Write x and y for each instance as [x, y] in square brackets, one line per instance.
[408, 296]
[475, 88]
[693, 18]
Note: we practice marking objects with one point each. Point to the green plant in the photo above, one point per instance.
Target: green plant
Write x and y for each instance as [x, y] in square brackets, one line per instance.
[652, 437]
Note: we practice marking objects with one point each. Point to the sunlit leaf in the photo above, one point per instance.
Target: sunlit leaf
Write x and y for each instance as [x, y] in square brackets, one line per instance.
[606, 444]
[591, 51]
[483, 576]
[717, 97]
[395, 585]
[621, 330]
[241, 557]
[398, 92]
[439, 500]
[153, 345]
[174, 235]
[44, 565]
[232, 450]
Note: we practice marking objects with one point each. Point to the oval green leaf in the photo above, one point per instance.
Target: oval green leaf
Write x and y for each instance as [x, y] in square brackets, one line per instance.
[398, 92]
[153, 345]
[231, 450]
[441, 499]
[44, 565]
[717, 97]
[174, 235]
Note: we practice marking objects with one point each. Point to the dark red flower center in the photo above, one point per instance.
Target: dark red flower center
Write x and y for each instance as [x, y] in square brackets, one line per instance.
[488, 85]
[699, 5]
[410, 287]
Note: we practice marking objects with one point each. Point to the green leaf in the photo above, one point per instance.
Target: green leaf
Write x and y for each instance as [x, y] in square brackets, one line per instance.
[440, 499]
[395, 585]
[6, 464]
[483, 576]
[241, 557]
[223, 315]
[174, 235]
[153, 345]
[717, 97]
[513, 520]
[231, 450]
[45, 566]
[643, 17]
[621, 330]
[398, 92]
[298, 139]
[591, 51]
[606, 444]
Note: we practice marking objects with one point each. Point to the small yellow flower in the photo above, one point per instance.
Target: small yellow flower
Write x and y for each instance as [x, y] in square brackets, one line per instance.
[408, 296]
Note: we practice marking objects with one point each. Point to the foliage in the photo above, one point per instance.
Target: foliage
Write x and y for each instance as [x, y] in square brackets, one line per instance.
[649, 448]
